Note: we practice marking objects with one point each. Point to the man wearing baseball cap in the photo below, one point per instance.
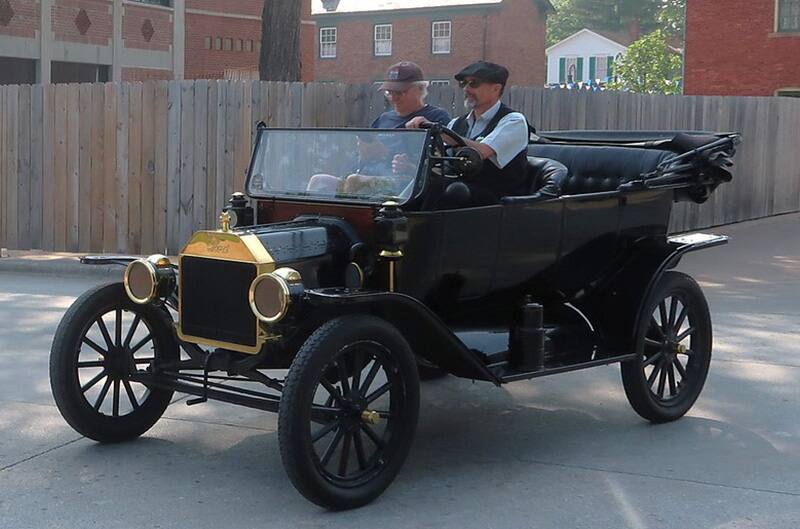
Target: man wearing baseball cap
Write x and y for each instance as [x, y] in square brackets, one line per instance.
[406, 88]
[497, 132]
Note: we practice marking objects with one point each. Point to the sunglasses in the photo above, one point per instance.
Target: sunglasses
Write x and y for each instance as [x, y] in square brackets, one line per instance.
[473, 83]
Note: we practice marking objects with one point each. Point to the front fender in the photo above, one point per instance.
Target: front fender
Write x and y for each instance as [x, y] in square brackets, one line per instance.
[426, 333]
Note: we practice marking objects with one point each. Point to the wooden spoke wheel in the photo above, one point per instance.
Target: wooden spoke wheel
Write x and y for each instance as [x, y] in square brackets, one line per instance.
[673, 344]
[102, 340]
[348, 412]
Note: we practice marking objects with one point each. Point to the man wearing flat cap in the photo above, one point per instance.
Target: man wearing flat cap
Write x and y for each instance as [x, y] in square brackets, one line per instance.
[497, 132]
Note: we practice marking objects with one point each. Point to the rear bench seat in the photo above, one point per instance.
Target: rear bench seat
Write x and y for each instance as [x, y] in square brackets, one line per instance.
[593, 169]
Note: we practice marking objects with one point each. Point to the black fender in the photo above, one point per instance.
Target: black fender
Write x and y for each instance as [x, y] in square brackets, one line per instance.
[616, 305]
[122, 260]
[426, 333]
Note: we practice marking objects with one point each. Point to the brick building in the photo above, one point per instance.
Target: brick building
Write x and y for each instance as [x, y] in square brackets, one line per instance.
[358, 40]
[743, 47]
[102, 40]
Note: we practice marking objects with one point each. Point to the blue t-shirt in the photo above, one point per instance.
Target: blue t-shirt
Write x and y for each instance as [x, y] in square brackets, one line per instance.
[392, 120]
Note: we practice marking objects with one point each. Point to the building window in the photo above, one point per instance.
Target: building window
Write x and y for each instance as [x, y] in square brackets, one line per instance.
[327, 43]
[227, 44]
[238, 45]
[598, 67]
[248, 45]
[163, 3]
[788, 92]
[207, 43]
[789, 15]
[439, 82]
[383, 40]
[218, 43]
[572, 70]
[440, 37]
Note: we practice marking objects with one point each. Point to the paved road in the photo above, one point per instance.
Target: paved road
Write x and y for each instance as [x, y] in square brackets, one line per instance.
[561, 452]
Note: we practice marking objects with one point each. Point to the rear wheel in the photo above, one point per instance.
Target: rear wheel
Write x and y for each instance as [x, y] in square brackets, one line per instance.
[101, 341]
[348, 411]
[673, 345]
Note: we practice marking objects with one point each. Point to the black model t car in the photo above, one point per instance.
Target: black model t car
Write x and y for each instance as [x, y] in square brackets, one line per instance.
[356, 262]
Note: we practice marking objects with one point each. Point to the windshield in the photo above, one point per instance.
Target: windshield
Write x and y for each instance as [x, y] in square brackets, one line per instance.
[350, 165]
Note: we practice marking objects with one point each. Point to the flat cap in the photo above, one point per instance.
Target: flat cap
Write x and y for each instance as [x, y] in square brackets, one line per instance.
[488, 71]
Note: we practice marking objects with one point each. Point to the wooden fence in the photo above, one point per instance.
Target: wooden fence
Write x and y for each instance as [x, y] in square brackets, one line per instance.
[137, 167]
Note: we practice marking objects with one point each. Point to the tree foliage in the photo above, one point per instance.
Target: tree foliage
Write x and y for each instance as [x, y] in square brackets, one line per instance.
[672, 17]
[614, 15]
[649, 66]
[280, 41]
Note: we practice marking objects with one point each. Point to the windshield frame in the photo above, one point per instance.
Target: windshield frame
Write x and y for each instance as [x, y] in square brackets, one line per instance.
[419, 185]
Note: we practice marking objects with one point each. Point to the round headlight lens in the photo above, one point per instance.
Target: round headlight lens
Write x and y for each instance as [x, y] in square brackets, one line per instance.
[269, 297]
[140, 281]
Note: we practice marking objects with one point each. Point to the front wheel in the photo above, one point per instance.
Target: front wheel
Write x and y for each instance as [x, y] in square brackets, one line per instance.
[102, 340]
[673, 345]
[348, 411]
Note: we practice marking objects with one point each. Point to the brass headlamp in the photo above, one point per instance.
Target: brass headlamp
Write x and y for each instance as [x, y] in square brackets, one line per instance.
[149, 279]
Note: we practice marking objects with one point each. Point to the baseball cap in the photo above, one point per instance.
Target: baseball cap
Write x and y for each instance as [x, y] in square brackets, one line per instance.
[401, 75]
[488, 71]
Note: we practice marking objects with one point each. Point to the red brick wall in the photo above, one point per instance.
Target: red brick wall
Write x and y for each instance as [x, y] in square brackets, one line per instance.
[731, 49]
[411, 40]
[202, 63]
[146, 74]
[99, 11]
[25, 20]
[133, 20]
[239, 7]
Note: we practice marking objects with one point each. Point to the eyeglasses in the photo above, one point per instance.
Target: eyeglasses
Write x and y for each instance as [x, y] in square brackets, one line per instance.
[472, 83]
[395, 93]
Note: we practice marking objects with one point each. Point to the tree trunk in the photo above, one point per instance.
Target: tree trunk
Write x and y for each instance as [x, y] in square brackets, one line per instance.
[280, 41]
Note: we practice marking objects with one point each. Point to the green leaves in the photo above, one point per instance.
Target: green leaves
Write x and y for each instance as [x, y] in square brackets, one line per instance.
[650, 66]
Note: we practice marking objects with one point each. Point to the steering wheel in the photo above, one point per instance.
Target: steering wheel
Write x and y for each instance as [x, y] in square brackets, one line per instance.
[440, 129]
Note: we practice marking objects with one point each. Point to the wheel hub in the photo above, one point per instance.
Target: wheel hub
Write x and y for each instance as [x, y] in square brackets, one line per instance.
[116, 362]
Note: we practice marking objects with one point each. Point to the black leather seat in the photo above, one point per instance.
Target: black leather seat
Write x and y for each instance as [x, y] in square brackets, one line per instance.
[547, 176]
[593, 169]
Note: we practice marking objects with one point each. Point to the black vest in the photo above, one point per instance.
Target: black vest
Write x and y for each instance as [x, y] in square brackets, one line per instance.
[493, 182]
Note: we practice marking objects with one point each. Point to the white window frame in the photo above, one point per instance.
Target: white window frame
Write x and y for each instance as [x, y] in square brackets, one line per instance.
[327, 48]
[600, 60]
[439, 82]
[383, 45]
[441, 27]
[571, 61]
[778, 19]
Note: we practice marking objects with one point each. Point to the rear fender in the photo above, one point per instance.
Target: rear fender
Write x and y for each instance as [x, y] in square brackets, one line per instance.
[614, 307]
[426, 333]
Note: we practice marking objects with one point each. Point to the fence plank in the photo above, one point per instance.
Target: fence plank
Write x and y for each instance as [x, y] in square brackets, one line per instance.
[123, 120]
[200, 173]
[148, 173]
[60, 170]
[24, 169]
[135, 168]
[97, 193]
[12, 169]
[3, 166]
[161, 157]
[37, 146]
[174, 167]
[86, 124]
[223, 144]
[110, 195]
[211, 154]
[73, 166]
[186, 187]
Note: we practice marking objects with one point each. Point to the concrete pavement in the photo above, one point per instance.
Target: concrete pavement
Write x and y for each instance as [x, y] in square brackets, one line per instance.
[558, 452]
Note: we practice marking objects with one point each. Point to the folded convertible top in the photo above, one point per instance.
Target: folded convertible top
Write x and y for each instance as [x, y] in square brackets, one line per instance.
[672, 140]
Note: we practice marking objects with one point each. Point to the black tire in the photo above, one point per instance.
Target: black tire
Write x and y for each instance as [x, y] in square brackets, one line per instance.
[429, 371]
[140, 334]
[326, 385]
[673, 344]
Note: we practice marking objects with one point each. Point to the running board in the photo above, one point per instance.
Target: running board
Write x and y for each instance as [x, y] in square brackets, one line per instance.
[507, 374]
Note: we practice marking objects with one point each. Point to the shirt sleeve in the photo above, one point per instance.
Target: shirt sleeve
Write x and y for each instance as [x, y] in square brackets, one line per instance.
[508, 139]
[452, 122]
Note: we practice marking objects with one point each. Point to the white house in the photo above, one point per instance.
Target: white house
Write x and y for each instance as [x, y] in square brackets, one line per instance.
[583, 56]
